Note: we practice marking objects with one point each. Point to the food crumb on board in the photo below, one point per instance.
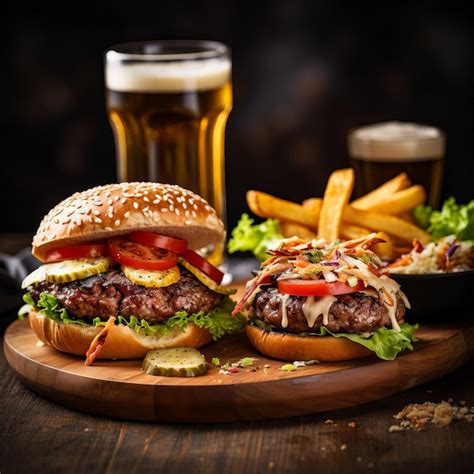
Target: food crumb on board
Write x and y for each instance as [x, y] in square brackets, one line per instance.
[329, 422]
[417, 415]
[370, 465]
[343, 447]
[235, 367]
[351, 424]
[359, 459]
[271, 465]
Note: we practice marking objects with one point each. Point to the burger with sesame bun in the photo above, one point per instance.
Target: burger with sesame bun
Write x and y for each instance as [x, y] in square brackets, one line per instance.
[121, 275]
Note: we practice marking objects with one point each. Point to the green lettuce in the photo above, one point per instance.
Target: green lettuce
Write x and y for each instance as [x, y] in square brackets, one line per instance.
[452, 219]
[218, 322]
[386, 343]
[255, 238]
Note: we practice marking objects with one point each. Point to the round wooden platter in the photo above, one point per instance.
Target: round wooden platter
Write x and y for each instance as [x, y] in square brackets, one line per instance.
[120, 389]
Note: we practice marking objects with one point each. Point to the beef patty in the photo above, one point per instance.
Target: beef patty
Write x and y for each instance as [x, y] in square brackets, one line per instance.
[353, 313]
[113, 294]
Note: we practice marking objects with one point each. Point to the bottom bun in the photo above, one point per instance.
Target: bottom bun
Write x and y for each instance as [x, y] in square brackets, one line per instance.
[121, 342]
[291, 347]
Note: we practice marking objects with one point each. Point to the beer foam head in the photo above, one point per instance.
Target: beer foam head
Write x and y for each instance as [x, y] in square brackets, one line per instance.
[169, 76]
[396, 141]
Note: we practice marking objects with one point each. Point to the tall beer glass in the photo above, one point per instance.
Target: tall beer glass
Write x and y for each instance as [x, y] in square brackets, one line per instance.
[381, 151]
[168, 103]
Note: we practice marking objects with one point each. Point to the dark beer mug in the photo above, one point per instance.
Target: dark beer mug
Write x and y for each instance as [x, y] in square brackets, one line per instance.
[380, 151]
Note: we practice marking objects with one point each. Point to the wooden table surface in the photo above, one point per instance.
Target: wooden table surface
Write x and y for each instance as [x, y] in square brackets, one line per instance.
[37, 435]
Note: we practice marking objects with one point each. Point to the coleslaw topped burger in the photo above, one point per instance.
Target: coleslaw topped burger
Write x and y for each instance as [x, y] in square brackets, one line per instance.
[121, 275]
[330, 302]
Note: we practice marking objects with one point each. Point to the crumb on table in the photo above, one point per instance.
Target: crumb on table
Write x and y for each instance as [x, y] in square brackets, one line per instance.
[417, 415]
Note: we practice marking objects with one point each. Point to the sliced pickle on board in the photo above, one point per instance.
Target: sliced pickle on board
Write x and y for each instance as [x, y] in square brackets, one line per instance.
[205, 280]
[175, 362]
[152, 278]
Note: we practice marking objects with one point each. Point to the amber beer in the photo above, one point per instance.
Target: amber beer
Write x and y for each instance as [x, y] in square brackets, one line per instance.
[168, 104]
[381, 151]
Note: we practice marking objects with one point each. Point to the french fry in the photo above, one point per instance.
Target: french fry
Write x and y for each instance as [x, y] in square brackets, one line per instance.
[392, 225]
[346, 231]
[315, 205]
[349, 231]
[384, 249]
[266, 205]
[290, 229]
[336, 196]
[401, 202]
[408, 216]
[382, 192]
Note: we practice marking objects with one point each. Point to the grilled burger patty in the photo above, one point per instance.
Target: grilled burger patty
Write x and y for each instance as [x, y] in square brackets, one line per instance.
[112, 294]
[353, 313]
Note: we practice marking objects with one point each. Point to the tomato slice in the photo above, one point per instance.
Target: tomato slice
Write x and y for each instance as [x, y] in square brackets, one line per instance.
[317, 287]
[208, 268]
[151, 239]
[135, 255]
[76, 251]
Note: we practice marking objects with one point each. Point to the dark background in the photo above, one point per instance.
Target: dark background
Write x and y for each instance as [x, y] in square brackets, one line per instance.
[304, 73]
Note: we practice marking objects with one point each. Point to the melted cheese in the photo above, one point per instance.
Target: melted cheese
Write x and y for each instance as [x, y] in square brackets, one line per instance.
[284, 314]
[390, 286]
[314, 307]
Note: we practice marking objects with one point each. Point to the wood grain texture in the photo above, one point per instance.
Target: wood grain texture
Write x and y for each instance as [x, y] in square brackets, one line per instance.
[120, 389]
[37, 435]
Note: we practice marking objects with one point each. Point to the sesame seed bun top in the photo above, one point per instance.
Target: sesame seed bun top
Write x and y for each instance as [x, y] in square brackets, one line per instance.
[118, 209]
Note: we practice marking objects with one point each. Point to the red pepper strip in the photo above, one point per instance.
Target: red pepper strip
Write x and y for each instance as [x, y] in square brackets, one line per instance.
[262, 278]
[98, 342]
[374, 270]
[417, 245]
[256, 282]
[372, 242]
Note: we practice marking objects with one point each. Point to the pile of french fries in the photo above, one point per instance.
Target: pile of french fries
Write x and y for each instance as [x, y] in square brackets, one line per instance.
[385, 210]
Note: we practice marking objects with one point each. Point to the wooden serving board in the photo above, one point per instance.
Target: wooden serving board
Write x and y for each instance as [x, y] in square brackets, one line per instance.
[120, 389]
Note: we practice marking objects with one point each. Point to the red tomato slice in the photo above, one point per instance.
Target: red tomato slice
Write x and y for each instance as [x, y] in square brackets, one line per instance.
[76, 251]
[135, 255]
[202, 264]
[317, 287]
[150, 239]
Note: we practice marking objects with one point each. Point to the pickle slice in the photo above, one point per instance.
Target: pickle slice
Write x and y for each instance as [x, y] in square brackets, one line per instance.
[67, 270]
[205, 280]
[155, 278]
[175, 362]
[70, 270]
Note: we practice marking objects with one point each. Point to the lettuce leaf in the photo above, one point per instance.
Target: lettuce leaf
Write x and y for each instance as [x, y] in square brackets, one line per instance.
[452, 219]
[386, 343]
[27, 307]
[256, 238]
[218, 322]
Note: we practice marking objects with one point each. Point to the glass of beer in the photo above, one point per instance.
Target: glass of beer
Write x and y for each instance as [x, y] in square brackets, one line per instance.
[168, 103]
[380, 151]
